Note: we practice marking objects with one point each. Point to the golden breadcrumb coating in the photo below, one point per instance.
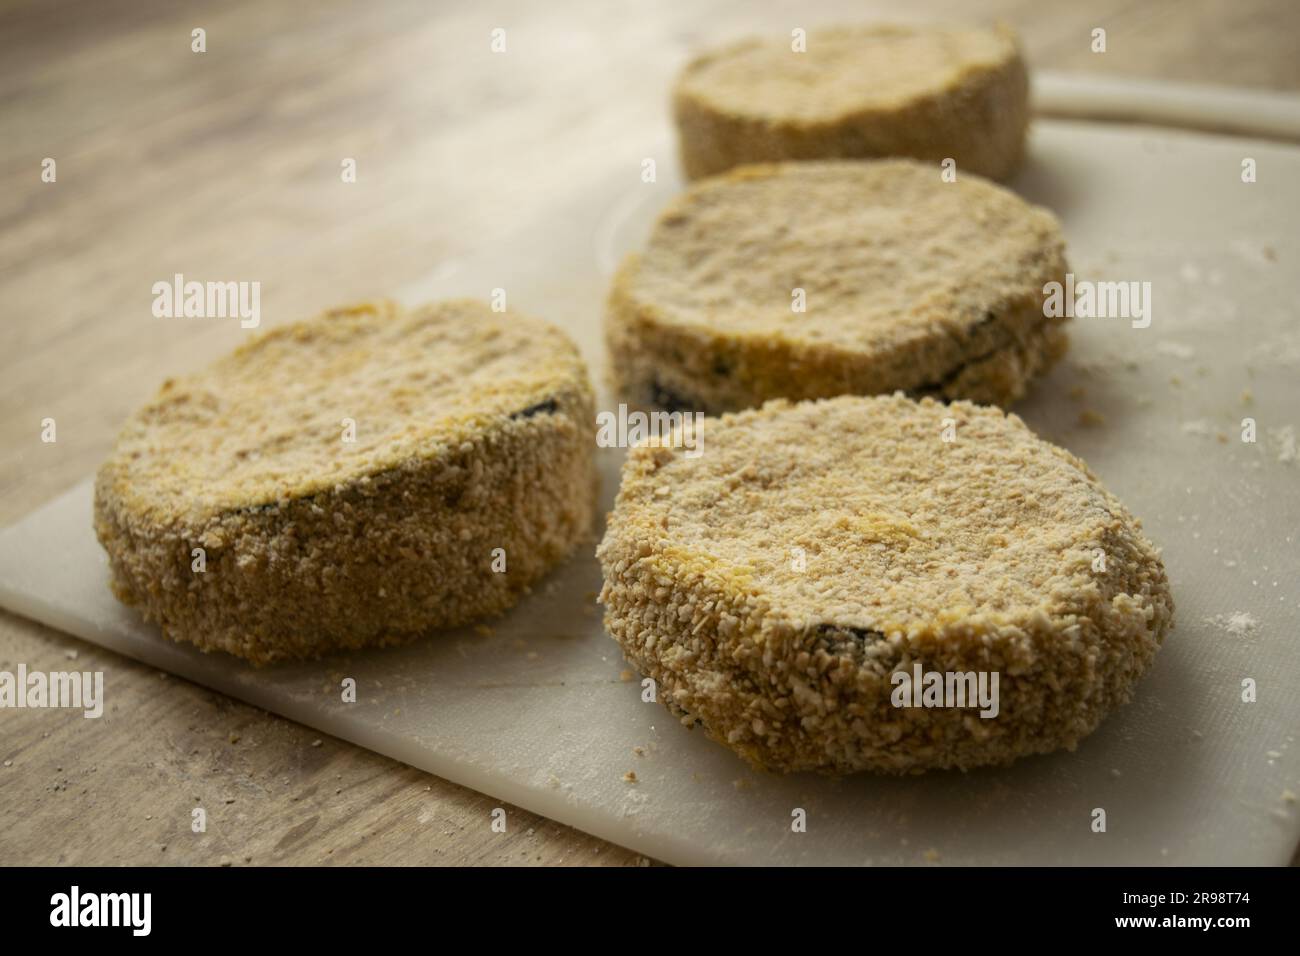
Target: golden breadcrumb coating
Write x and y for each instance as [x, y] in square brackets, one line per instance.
[470, 432]
[774, 584]
[931, 93]
[907, 282]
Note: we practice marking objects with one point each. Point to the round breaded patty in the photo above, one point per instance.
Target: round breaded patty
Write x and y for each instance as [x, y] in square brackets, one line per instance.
[930, 93]
[906, 283]
[774, 585]
[350, 479]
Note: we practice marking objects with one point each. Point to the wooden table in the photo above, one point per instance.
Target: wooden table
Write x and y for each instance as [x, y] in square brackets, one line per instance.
[226, 164]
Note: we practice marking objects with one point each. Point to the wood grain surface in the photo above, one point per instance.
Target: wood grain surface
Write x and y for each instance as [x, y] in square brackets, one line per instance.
[226, 165]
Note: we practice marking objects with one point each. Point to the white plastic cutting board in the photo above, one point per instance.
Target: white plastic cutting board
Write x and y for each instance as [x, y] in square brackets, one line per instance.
[536, 713]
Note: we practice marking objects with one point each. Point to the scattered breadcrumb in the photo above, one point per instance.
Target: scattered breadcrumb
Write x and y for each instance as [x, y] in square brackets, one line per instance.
[931, 855]
[629, 777]
[625, 675]
[1175, 349]
[1283, 440]
[1252, 252]
[1237, 624]
[1089, 418]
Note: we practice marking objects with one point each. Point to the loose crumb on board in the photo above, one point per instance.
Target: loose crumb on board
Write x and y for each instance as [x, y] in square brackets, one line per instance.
[1238, 623]
[1283, 441]
[1089, 418]
[1175, 349]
